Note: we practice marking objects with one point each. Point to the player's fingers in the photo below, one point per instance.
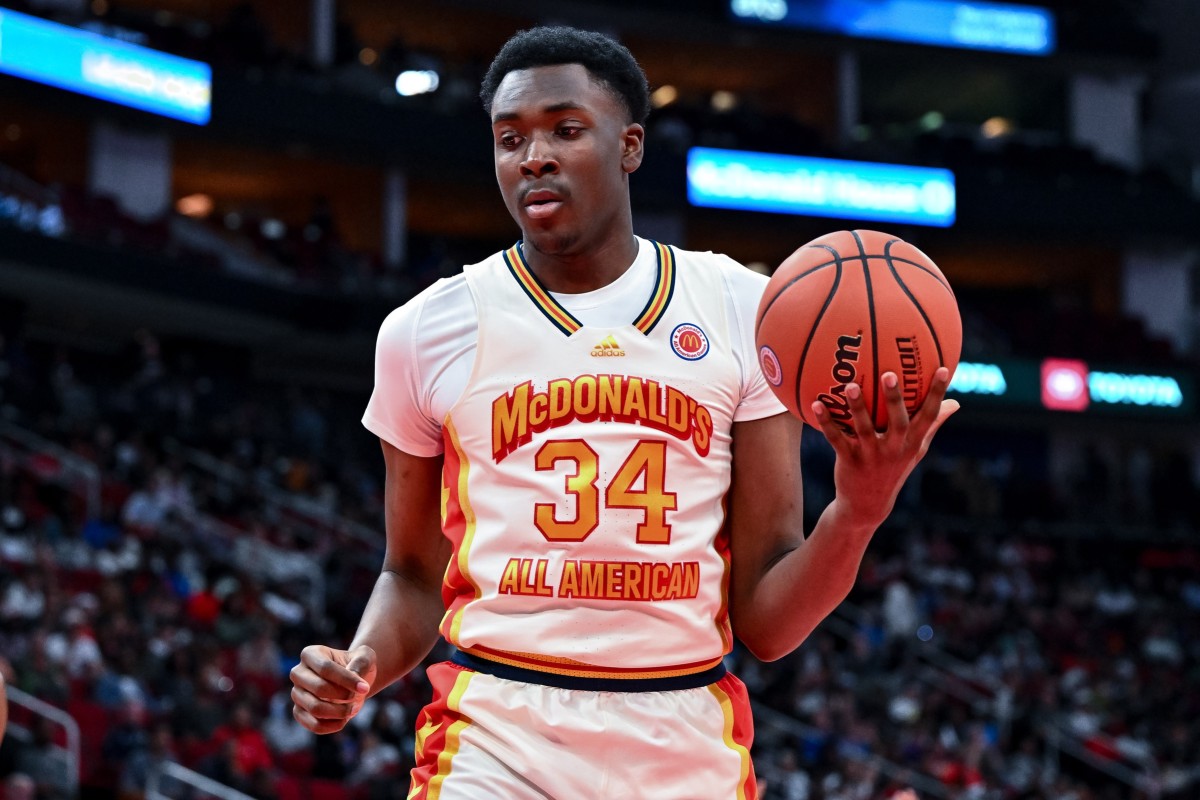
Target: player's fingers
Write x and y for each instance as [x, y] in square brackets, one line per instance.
[322, 709]
[316, 725]
[860, 418]
[835, 434]
[319, 660]
[931, 406]
[897, 414]
[362, 664]
[308, 680]
[946, 409]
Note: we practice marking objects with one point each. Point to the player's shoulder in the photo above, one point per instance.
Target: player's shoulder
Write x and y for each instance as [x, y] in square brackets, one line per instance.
[446, 298]
[740, 279]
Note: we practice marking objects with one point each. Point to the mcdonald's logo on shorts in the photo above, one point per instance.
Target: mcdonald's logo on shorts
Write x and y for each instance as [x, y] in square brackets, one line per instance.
[689, 342]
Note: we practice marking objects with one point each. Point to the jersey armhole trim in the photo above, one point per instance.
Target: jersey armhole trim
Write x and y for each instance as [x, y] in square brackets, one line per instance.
[377, 427]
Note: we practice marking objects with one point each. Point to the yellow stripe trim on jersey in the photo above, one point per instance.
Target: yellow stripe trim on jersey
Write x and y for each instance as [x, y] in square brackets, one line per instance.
[559, 316]
[578, 669]
[727, 734]
[464, 502]
[664, 288]
[656, 306]
[453, 734]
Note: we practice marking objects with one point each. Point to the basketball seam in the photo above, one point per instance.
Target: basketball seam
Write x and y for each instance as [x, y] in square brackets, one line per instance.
[784, 288]
[843, 260]
[837, 261]
[866, 262]
[918, 265]
[937, 342]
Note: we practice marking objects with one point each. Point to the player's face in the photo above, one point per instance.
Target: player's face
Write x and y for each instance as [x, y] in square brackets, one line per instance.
[564, 149]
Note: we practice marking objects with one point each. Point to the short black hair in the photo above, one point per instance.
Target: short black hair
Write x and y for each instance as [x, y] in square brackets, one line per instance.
[608, 61]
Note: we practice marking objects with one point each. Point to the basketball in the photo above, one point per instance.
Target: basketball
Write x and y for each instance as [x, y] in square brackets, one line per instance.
[848, 307]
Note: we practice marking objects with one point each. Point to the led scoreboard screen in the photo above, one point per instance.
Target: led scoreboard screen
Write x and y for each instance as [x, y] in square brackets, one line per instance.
[102, 67]
[997, 27]
[821, 187]
[1061, 384]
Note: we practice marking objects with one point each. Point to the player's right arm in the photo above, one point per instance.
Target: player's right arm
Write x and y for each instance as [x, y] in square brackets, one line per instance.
[400, 623]
[425, 336]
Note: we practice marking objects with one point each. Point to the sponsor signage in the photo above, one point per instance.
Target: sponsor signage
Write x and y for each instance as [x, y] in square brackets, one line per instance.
[996, 27]
[1071, 385]
[821, 187]
[105, 68]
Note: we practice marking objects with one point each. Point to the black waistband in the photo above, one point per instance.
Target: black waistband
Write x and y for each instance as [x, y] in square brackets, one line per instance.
[507, 672]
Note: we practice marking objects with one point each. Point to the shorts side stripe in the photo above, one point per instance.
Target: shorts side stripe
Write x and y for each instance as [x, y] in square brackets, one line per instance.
[444, 741]
[734, 739]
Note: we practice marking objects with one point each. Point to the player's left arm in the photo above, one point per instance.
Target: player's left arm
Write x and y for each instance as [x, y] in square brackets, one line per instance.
[784, 584]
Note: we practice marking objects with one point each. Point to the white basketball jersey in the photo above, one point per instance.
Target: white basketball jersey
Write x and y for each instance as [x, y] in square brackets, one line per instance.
[585, 475]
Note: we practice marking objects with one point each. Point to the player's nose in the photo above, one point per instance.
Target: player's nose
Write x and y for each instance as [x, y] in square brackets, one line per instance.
[540, 158]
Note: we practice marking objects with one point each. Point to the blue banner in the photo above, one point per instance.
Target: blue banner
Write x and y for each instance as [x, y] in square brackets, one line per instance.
[1001, 27]
[820, 187]
[98, 66]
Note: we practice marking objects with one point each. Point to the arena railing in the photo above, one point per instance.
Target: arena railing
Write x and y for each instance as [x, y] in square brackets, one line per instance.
[298, 504]
[1062, 740]
[219, 539]
[766, 717]
[83, 474]
[956, 676]
[41, 708]
[168, 775]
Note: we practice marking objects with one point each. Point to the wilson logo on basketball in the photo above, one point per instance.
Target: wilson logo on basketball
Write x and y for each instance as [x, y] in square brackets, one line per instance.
[844, 371]
[910, 371]
[607, 348]
[689, 342]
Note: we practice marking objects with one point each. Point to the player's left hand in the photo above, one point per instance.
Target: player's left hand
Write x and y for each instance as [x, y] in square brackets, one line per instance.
[872, 465]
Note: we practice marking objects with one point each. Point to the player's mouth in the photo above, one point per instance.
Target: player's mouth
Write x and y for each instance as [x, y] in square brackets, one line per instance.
[541, 203]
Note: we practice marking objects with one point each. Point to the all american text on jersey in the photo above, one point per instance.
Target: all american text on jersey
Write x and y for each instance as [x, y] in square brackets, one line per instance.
[603, 580]
[519, 414]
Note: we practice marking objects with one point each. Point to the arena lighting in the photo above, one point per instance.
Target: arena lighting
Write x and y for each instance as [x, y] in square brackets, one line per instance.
[821, 187]
[664, 96]
[1000, 27]
[416, 81]
[195, 205]
[1064, 385]
[105, 68]
[975, 378]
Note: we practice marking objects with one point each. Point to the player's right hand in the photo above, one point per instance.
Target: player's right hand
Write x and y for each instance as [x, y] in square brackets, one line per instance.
[330, 686]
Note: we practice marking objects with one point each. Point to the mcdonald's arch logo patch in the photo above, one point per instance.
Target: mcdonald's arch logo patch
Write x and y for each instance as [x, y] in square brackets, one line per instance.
[689, 342]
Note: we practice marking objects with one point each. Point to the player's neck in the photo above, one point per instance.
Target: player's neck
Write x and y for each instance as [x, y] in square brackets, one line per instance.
[590, 268]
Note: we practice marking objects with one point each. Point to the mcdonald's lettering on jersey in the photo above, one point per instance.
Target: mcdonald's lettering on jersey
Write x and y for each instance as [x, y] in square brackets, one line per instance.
[518, 415]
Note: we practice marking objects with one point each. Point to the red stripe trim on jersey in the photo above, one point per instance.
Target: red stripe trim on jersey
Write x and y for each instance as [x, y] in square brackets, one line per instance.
[722, 546]
[664, 288]
[566, 666]
[458, 524]
[738, 731]
[541, 297]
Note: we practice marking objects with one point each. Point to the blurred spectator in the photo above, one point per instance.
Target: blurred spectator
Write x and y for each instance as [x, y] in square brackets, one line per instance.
[19, 786]
[46, 762]
[243, 748]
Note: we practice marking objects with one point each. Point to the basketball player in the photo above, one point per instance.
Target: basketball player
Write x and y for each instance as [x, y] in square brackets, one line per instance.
[590, 487]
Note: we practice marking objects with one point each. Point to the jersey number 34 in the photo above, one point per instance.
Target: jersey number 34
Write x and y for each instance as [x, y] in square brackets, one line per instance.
[647, 463]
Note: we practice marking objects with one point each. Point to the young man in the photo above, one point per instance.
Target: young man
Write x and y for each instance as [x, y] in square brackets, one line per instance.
[578, 428]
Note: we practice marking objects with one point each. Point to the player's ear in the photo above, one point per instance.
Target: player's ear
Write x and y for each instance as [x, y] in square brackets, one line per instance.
[632, 142]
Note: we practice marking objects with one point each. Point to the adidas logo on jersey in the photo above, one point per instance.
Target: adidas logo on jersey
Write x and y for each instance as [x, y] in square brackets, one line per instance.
[608, 347]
